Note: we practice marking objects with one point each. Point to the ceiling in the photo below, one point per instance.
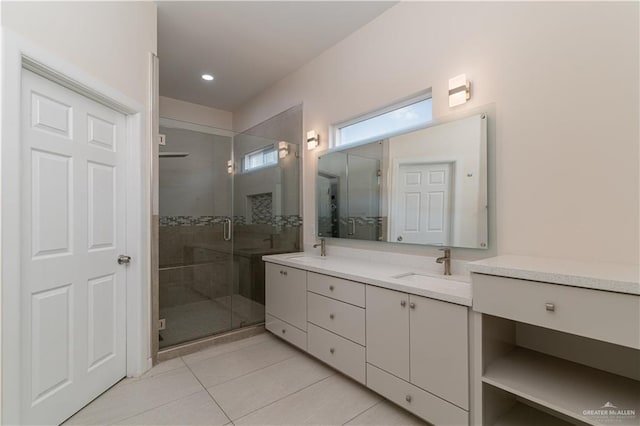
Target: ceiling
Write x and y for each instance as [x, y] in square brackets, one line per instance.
[247, 46]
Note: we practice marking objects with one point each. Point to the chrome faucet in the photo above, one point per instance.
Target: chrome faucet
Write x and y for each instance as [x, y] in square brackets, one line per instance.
[446, 259]
[323, 247]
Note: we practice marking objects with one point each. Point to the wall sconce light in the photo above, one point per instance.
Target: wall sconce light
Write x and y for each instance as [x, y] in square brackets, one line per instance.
[230, 167]
[459, 90]
[283, 149]
[313, 139]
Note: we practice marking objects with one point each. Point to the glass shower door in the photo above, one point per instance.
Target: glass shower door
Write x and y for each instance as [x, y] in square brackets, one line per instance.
[266, 217]
[196, 244]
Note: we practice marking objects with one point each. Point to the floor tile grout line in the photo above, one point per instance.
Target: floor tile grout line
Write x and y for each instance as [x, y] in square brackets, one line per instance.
[362, 412]
[248, 372]
[286, 396]
[153, 408]
[332, 373]
[210, 396]
[252, 371]
[225, 353]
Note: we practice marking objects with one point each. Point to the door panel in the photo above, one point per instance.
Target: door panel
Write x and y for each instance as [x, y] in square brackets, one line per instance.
[439, 349]
[387, 322]
[73, 290]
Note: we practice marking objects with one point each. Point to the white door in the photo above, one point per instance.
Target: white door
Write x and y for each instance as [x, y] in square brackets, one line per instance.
[423, 213]
[73, 289]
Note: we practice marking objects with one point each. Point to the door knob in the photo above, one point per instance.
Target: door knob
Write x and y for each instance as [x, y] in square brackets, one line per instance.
[408, 398]
[403, 303]
[412, 305]
[124, 260]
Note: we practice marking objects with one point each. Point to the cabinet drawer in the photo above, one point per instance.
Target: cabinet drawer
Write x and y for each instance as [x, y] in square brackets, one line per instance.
[421, 403]
[286, 294]
[336, 288]
[341, 318]
[286, 331]
[602, 315]
[338, 352]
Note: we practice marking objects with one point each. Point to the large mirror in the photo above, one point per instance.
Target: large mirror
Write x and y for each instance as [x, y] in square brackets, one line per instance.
[427, 187]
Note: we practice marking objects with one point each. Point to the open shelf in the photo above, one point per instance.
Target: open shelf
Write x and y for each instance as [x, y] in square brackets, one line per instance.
[523, 415]
[564, 387]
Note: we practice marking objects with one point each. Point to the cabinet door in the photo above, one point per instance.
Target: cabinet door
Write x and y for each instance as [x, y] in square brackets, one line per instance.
[286, 294]
[439, 349]
[388, 330]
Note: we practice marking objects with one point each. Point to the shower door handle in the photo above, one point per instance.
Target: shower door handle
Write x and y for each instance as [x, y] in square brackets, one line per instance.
[226, 231]
[352, 223]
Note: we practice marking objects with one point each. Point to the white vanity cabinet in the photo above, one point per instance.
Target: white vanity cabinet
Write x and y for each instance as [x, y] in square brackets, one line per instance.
[554, 346]
[413, 350]
[286, 303]
[421, 341]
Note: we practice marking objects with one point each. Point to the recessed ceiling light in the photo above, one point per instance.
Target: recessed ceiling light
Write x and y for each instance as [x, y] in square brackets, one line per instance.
[207, 77]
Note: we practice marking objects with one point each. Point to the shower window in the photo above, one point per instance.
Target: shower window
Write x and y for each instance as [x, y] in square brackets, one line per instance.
[259, 159]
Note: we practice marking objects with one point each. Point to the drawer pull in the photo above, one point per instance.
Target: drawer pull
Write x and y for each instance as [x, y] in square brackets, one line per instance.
[551, 307]
[407, 398]
[403, 303]
[330, 288]
[412, 305]
[332, 350]
[331, 316]
[284, 331]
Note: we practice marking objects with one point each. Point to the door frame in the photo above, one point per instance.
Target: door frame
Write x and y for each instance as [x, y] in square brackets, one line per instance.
[19, 54]
[395, 170]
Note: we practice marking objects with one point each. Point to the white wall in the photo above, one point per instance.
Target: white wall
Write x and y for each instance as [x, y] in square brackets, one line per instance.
[563, 78]
[109, 40]
[199, 114]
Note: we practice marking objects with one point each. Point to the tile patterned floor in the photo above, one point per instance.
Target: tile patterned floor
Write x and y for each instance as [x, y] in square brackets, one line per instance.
[256, 381]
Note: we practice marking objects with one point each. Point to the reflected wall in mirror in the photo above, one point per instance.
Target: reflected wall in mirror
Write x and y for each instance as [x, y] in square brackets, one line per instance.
[425, 187]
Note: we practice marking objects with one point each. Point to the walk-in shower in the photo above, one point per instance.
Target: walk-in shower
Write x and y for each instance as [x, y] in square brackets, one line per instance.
[225, 201]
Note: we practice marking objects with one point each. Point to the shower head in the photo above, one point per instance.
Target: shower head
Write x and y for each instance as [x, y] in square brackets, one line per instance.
[173, 154]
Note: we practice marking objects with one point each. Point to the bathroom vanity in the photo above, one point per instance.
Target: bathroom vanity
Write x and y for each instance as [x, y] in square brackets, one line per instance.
[559, 342]
[545, 342]
[401, 331]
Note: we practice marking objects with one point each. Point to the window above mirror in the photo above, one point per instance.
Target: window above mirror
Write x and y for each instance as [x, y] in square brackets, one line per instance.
[400, 118]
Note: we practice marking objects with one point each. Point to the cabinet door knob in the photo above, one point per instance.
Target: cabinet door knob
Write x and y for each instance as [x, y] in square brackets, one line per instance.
[412, 305]
[284, 331]
[332, 350]
[408, 398]
[403, 303]
[331, 316]
[285, 273]
[550, 307]
[330, 288]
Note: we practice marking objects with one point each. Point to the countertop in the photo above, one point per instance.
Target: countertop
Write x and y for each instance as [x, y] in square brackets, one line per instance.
[620, 278]
[421, 282]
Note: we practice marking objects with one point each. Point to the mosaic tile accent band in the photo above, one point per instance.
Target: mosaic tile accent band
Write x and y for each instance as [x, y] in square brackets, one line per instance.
[290, 221]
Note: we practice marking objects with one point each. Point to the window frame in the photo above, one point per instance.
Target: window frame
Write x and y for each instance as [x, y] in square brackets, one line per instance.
[334, 132]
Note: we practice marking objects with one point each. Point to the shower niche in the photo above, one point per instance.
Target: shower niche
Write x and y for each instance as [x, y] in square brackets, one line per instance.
[225, 201]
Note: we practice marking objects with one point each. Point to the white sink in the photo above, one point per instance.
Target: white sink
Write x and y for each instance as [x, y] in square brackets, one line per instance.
[418, 278]
[305, 257]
